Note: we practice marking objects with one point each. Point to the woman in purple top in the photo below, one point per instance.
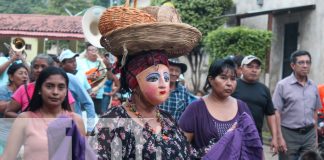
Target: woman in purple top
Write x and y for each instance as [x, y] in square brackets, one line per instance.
[206, 120]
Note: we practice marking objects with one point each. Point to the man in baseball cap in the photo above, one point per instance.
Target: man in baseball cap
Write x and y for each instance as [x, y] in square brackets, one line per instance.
[68, 61]
[248, 59]
[257, 96]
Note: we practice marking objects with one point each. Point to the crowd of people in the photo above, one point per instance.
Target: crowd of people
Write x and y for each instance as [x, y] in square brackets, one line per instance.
[160, 118]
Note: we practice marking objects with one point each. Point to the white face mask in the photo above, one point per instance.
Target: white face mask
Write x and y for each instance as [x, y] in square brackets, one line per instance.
[154, 83]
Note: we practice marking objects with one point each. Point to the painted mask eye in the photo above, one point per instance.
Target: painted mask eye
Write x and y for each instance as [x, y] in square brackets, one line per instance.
[153, 77]
[166, 76]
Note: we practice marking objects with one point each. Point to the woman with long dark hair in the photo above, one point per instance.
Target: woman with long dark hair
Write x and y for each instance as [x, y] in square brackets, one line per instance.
[49, 101]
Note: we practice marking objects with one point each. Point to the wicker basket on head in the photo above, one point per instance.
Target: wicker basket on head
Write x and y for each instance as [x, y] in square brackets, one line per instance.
[121, 16]
[163, 13]
[152, 10]
[128, 31]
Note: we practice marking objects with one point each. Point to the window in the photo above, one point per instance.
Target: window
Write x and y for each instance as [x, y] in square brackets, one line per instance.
[28, 47]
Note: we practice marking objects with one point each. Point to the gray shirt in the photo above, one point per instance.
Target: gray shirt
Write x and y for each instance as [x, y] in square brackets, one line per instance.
[296, 103]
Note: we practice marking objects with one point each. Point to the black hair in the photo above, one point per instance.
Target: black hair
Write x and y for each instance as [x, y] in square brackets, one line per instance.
[218, 67]
[87, 44]
[294, 55]
[36, 102]
[124, 86]
[54, 57]
[310, 155]
[13, 68]
[238, 60]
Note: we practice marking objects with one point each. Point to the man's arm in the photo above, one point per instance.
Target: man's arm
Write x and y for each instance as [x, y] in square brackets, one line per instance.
[116, 84]
[278, 102]
[5, 65]
[85, 100]
[282, 147]
[271, 120]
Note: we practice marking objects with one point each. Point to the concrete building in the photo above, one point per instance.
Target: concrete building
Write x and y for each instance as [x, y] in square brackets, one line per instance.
[36, 30]
[296, 24]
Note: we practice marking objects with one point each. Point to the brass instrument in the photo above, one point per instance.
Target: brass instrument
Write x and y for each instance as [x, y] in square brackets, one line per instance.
[18, 44]
[90, 23]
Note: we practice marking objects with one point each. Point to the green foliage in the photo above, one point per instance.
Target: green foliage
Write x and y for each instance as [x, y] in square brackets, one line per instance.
[202, 13]
[50, 7]
[103, 3]
[17, 7]
[56, 7]
[238, 40]
[109, 3]
[157, 2]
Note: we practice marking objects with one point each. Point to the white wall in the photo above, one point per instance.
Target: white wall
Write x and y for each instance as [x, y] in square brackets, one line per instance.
[310, 32]
[243, 6]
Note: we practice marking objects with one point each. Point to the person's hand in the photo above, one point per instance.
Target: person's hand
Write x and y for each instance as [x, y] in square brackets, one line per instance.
[105, 60]
[22, 57]
[274, 146]
[92, 76]
[93, 94]
[320, 131]
[15, 56]
[282, 147]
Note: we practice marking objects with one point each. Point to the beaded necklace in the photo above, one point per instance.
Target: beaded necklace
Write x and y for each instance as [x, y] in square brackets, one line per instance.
[163, 135]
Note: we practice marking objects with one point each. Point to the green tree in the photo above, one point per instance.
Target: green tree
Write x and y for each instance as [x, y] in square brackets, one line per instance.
[201, 14]
[49, 7]
[238, 40]
[62, 7]
[17, 7]
[157, 2]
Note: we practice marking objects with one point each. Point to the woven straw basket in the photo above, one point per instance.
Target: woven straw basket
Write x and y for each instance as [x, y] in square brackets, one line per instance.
[121, 16]
[135, 30]
[151, 10]
[163, 13]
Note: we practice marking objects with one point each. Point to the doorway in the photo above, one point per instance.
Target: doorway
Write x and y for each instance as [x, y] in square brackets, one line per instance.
[290, 45]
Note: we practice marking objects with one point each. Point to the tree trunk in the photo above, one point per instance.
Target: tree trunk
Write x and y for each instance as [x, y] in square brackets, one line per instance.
[195, 59]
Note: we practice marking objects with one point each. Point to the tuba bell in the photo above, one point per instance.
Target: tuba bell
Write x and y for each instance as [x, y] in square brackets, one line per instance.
[18, 44]
[90, 23]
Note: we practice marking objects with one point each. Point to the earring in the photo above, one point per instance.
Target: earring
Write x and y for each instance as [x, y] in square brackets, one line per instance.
[39, 92]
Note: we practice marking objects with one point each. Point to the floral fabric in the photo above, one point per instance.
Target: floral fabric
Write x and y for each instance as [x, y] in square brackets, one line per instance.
[119, 136]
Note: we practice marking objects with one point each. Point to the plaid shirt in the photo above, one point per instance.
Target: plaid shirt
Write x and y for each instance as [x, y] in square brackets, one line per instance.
[177, 102]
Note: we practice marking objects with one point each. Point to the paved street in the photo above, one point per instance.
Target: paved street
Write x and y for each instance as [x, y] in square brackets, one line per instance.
[268, 154]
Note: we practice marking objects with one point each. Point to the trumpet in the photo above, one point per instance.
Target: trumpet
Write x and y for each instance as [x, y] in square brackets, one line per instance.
[18, 44]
